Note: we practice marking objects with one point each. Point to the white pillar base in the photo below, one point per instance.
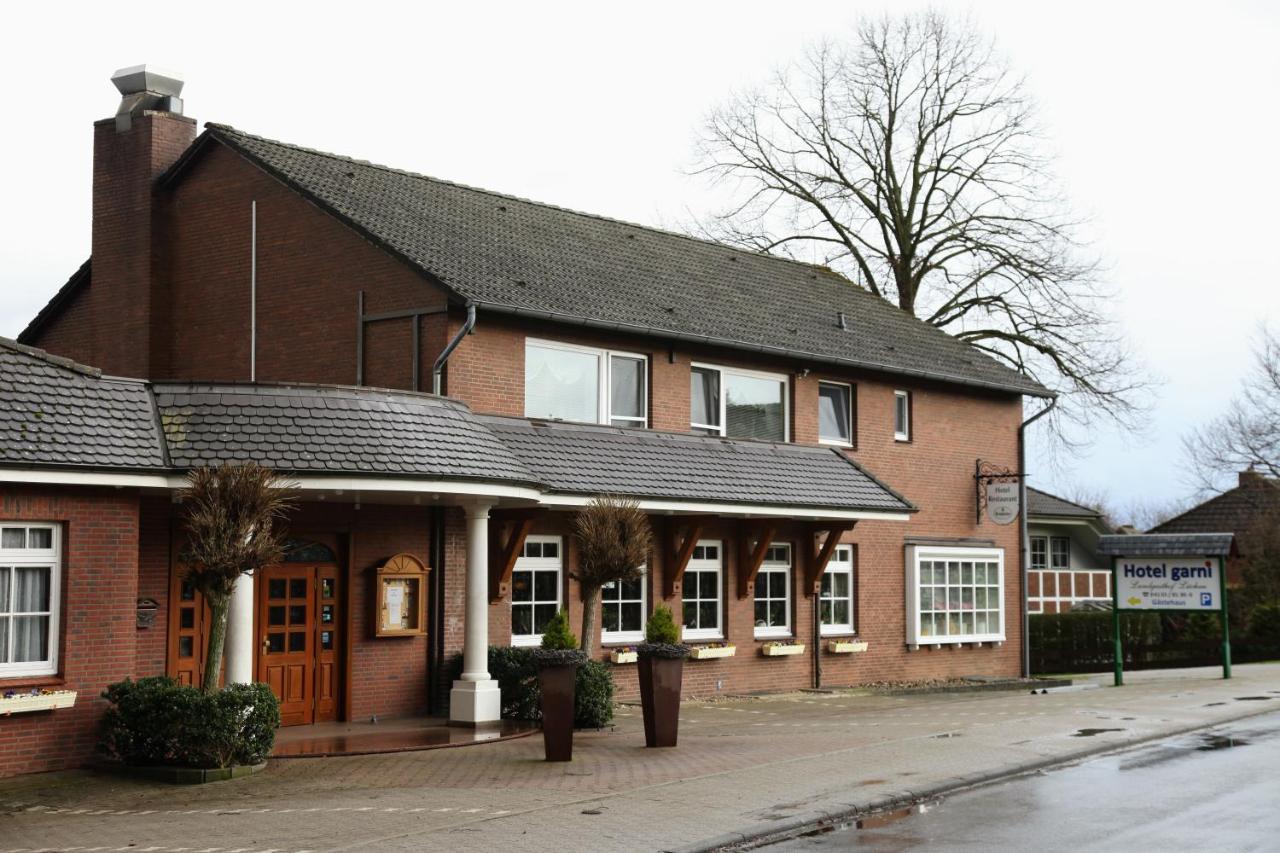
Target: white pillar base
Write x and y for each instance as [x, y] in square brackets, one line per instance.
[475, 703]
[239, 643]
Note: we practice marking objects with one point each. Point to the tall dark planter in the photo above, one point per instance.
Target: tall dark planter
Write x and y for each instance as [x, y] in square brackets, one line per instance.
[557, 678]
[661, 678]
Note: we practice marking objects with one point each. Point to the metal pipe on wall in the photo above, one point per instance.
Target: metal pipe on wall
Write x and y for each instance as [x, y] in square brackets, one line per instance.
[253, 291]
[1024, 545]
[438, 368]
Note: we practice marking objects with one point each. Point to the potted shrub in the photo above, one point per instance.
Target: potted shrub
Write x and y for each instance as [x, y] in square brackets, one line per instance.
[558, 660]
[661, 676]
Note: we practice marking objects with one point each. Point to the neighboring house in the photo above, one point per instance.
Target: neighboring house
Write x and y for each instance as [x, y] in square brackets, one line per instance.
[1064, 568]
[805, 450]
[1254, 499]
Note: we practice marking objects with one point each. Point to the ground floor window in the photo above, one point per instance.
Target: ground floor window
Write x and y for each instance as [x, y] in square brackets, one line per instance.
[30, 578]
[954, 595]
[536, 588]
[773, 592]
[623, 611]
[701, 592]
[835, 599]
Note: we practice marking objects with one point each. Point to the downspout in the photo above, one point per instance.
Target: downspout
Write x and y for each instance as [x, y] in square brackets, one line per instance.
[1024, 543]
[438, 368]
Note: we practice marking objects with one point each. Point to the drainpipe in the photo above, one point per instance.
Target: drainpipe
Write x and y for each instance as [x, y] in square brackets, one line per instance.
[1024, 544]
[438, 368]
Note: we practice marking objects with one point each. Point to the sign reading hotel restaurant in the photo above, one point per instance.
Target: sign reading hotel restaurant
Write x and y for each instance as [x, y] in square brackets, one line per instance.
[1168, 583]
[1002, 501]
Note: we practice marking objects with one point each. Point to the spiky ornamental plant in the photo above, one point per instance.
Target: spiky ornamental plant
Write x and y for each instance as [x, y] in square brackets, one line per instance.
[614, 539]
[232, 516]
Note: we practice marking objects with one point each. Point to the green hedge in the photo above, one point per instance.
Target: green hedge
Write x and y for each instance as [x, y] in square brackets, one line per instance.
[158, 722]
[517, 678]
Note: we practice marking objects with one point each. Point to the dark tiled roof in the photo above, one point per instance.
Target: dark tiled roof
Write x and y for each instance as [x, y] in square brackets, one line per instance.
[317, 429]
[78, 281]
[56, 412]
[1236, 509]
[1165, 544]
[579, 459]
[1043, 503]
[511, 255]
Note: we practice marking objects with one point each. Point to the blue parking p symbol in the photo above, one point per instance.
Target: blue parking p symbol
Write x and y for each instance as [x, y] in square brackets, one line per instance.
[1206, 599]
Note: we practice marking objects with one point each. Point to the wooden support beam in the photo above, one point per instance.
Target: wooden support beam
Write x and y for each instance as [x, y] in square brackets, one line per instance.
[679, 549]
[817, 556]
[507, 531]
[752, 556]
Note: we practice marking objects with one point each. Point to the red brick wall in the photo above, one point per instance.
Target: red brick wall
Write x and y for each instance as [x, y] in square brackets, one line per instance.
[154, 558]
[97, 627]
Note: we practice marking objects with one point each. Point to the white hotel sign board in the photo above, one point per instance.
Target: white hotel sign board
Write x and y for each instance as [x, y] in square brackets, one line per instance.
[1168, 583]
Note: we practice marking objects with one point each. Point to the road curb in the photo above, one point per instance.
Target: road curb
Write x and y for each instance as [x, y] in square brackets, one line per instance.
[781, 830]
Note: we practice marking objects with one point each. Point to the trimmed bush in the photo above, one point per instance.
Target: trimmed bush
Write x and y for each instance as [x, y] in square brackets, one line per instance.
[661, 627]
[557, 635]
[1263, 629]
[158, 722]
[593, 698]
[517, 678]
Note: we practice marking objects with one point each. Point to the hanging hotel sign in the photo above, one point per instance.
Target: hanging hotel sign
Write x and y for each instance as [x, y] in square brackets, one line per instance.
[1168, 583]
[998, 492]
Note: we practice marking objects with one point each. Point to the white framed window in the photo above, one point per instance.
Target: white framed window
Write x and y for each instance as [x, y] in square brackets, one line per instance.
[1039, 552]
[30, 591]
[773, 593]
[1060, 552]
[701, 592]
[574, 383]
[623, 611]
[536, 583]
[738, 403]
[902, 415]
[835, 413]
[954, 595]
[835, 597]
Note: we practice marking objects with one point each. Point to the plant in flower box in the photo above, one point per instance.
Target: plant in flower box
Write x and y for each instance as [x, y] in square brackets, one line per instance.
[846, 646]
[706, 651]
[781, 648]
[661, 678]
[558, 660]
[623, 654]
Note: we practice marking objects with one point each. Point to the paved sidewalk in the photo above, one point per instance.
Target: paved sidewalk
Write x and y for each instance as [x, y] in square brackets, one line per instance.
[744, 766]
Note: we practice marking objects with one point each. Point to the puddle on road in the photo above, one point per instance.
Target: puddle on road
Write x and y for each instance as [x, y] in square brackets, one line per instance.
[872, 821]
[946, 735]
[1214, 704]
[1092, 732]
[1252, 698]
[1209, 743]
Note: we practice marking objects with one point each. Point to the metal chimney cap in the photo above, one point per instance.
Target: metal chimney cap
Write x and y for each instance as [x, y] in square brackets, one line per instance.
[147, 78]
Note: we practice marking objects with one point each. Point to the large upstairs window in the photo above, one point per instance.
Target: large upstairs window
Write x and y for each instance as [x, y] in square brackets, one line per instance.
[573, 383]
[738, 403]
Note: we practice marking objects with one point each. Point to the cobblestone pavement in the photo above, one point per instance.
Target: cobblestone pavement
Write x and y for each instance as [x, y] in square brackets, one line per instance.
[743, 766]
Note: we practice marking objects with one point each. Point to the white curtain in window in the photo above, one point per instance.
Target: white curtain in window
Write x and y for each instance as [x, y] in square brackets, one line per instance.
[754, 407]
[561, 384]
[833, 412]
[704, 394]
[31, 596]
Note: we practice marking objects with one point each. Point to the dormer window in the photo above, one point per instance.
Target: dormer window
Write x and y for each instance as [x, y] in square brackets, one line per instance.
[571, 383]
[738, 403]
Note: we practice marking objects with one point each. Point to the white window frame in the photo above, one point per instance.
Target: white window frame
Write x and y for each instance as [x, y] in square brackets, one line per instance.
[616, 637]
[1066, 542]
[50, 558]
[775, 566]
[604, 383]
[705, 565]
[836, 442]
[535, 565]
[719, 430]
[902, 398]
[915, 555]
[841, 562]
[1043, 542]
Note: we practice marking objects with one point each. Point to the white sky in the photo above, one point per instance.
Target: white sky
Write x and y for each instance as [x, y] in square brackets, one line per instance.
[1164, 115]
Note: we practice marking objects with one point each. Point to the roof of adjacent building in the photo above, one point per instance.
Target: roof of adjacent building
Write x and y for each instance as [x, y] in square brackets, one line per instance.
[1166, 544]
[1235, 509]
[1042, 503]
[585, 459]
[55, 412]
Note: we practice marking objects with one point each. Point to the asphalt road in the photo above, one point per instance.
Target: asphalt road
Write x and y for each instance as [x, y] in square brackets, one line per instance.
[1214, 790]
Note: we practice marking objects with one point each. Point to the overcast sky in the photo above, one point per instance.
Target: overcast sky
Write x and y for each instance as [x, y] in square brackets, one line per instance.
[1163, 114]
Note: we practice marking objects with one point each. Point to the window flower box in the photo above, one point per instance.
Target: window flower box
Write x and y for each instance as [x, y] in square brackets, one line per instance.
[626, 654]
[781, 649]
[846, 647]
[43, 700]
[714, 650]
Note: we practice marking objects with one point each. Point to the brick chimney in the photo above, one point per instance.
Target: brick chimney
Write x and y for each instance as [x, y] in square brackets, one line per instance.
[1249, 477]
[130, 150]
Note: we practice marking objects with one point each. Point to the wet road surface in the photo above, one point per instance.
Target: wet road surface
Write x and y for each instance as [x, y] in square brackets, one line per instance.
[1214, 790]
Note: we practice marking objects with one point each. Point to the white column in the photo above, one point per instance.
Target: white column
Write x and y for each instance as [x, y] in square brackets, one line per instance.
[239, 646]
[475, 698]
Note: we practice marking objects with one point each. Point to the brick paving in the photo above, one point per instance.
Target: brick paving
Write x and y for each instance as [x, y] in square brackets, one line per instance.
[743, 766]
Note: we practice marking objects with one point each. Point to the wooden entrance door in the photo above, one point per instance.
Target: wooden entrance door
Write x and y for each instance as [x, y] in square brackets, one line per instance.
[299, 623]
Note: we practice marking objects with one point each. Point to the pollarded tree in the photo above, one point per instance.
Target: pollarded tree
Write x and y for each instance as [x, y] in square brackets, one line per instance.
[233, 516]
[614, 539]
[908, 158]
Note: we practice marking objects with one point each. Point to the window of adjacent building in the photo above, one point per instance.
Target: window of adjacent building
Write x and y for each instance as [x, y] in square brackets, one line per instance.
[1059, 552]
[773, 592]
[902, 415]
[623, 611]
[572, 383]
[835, 598]
[29, 590]
[835, 413]
[701, 592]
[1039, 552]
[738, 403]
[535, 588]
[954, 595]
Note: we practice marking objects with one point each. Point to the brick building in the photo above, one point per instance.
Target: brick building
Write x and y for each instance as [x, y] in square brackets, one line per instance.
[806, 451]
[1064, 568]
